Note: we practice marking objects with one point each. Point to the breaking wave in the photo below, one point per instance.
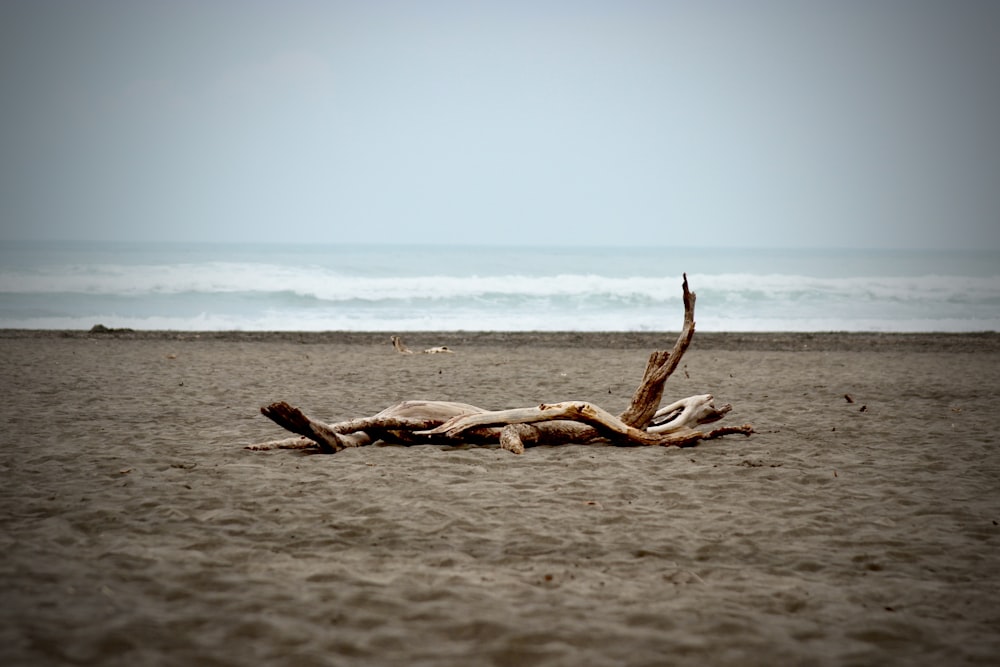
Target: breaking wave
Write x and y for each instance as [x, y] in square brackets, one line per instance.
[260, 295]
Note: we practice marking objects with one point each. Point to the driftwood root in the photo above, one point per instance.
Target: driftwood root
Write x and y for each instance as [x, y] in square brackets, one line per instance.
[292, 419]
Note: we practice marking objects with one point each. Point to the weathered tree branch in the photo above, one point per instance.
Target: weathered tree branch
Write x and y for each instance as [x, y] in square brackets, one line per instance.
[696, 410]
[686, 412]
[660, 366]
[443, 422]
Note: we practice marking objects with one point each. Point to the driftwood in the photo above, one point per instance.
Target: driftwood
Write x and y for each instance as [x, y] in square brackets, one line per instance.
[400, 346]
[444, 422]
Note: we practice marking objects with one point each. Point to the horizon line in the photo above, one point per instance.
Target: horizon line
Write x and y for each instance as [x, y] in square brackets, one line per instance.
[486, 244]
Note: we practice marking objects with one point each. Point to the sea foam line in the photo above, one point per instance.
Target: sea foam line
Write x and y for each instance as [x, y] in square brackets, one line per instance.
[327, 285]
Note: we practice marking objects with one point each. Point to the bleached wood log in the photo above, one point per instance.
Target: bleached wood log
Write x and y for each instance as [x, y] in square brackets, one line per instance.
[609, 426]
[581, 411]
[441, 422]
[567, 423]
[553, 423]
[685, 413]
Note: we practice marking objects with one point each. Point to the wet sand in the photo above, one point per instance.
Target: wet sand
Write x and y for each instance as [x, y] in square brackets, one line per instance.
[137, 530]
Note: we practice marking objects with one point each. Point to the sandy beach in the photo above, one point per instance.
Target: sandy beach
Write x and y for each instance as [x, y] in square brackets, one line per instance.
[137, 530]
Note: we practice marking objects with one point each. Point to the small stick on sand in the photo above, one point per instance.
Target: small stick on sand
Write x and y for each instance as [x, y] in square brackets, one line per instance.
[397, 343]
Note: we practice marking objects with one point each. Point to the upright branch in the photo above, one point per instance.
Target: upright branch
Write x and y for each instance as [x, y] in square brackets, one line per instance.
[660, 366]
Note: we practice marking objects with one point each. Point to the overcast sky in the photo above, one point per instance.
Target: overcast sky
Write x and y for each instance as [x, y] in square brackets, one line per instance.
[787, 123]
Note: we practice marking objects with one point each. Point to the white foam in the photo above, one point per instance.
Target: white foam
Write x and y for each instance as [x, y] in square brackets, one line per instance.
[261, 295]
[324, 284]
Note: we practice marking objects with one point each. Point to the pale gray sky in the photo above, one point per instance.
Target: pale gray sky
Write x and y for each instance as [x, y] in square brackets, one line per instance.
[785, 123]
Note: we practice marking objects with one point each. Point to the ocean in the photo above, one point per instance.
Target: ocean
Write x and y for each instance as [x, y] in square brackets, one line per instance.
[393, 288]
